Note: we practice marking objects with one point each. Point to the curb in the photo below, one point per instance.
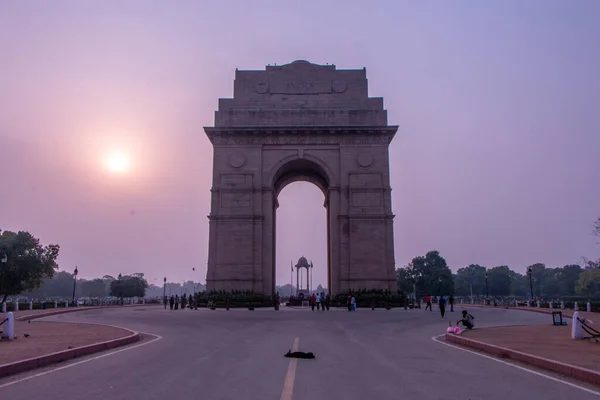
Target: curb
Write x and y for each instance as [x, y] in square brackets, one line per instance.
[550, 365]
[18, 367]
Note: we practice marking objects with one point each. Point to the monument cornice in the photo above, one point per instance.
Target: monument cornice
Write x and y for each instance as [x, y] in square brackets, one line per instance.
[348, 135]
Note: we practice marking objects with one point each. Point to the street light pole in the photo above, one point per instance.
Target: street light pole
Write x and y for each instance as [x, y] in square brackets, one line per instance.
[120, 289]
[487, 292]
[3, 260]
[74, 283]
[530, 273]
[165, 292]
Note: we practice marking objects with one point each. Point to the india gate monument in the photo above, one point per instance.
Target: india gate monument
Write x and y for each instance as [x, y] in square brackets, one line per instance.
[301, 122]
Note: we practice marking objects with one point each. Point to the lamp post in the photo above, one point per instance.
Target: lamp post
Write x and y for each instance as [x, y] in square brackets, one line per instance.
[74, 283]
[120, 289]
[487, 292]
[3, 260]
[530, 273]
[416, 277]
[165, 292]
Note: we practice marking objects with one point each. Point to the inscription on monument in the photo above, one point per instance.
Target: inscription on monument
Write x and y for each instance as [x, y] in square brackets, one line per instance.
[236, 181]
[362, 199]
[235, 200]
[365, 180]
[300, 87]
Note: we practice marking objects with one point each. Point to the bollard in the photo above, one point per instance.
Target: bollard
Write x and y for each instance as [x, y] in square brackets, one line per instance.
[66, 304]
[31, 305]
[551, 305]
[516, 303]
[528, 303]
[132, 301]
[16, 306]
[144, 300]
[576, 308]
[538, 304]
[576, 328]
[562, 305]
[9, 327]
[589, 307]
[4, 307]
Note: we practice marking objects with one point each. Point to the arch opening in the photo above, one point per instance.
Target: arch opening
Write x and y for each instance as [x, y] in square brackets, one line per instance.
[304, 233]
[299, 170]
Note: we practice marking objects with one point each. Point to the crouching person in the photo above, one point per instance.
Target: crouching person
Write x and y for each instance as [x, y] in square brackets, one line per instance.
[467, 320]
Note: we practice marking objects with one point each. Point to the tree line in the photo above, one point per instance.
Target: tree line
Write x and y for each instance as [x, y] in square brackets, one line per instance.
[430, 275]
[28, 268]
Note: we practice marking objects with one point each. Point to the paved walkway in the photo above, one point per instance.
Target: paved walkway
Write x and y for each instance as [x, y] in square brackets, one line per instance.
[552, 342]
[49, 337]
[239, 355]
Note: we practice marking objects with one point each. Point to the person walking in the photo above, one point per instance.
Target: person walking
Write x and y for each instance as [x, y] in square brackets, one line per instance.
[451, 302]
[442, 305]
[428, 300]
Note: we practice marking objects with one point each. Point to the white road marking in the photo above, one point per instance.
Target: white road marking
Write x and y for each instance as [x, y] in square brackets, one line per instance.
[288, 384]
[552, 378]
[156, 338]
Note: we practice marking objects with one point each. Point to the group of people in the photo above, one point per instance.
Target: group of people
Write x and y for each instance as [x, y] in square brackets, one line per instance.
[319, 300]
[466, 320]
[175, 301]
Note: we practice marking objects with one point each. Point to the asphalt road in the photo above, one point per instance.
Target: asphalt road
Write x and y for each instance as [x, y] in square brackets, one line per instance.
[238, 355]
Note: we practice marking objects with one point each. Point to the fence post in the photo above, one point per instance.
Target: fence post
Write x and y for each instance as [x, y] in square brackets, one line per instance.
[16, 306]
[9, 330]
[589, 307]
[562, 305]
[576, 308]
[31, 305]
[576, 328]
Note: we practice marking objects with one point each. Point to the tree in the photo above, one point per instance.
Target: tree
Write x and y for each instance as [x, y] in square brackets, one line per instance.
[128, 286]
[568, 277]
[499, 281]
[519, 284]
[93, 288]
[60, 285]
[552, 282]
[432, 275]
[596, 230]
[538, 278]
[588, 283]
[28, 262]
[469, 277]
[405, 280]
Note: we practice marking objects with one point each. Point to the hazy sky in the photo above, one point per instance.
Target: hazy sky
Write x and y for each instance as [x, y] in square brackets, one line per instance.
[496, 160]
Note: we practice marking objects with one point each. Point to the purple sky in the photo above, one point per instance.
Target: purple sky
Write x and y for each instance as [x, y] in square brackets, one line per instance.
[495, 162]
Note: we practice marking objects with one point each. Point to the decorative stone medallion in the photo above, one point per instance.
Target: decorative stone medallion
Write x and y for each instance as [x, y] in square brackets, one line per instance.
[339, 86]
[262, 87]
[364, 160]
[237, 160]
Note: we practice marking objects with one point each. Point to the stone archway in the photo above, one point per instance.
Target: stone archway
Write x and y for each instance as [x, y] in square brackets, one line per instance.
[301, 121]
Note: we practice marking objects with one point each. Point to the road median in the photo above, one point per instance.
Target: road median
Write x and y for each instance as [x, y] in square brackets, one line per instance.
[542, 346]
[42, 343]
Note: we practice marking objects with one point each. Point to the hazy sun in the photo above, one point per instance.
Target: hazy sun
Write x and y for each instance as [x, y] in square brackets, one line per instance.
[117, 162]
